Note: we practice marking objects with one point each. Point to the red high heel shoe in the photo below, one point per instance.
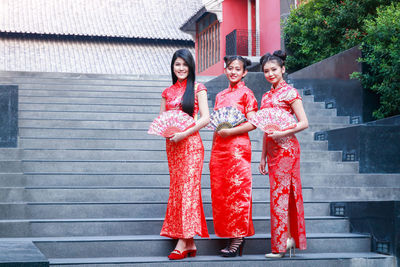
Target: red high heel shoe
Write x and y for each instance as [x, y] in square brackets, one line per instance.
[178, 255]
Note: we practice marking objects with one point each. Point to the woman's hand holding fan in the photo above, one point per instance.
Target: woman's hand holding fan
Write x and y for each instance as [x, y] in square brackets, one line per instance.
[171, 122]
[225, 118]
[273, 119]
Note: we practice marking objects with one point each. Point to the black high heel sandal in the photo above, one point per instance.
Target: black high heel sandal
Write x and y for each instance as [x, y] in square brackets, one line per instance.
[235, 248]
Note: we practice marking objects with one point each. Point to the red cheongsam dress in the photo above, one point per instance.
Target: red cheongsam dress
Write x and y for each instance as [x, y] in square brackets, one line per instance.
[283, 157]
[184, 217]
[230, 170]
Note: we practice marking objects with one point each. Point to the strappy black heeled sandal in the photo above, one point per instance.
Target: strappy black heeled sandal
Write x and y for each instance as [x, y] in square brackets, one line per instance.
[235, 248]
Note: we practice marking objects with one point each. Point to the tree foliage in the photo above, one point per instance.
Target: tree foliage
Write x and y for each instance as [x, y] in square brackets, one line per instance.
[381, 57]
[319, 29]
[322, 28]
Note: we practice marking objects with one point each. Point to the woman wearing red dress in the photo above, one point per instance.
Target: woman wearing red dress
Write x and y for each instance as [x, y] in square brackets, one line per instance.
[184, 217]
[230, 163]
[282, 151]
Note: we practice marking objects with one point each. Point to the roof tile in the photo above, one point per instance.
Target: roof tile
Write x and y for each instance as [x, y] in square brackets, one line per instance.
[154, 19]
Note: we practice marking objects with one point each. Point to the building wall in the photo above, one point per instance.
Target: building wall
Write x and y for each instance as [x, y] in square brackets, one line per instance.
[234, 14]
[51, 55]
[270, 26]
[235, 17]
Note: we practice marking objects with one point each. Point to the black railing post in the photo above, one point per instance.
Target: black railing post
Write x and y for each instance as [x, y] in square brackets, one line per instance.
[231, 44]
[237, 43]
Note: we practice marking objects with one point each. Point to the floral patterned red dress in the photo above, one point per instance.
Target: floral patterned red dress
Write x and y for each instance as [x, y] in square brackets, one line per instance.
[283, 158]
[230, 170]
[184, 217]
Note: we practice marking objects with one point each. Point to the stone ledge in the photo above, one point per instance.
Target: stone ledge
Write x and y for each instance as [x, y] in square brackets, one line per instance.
[21, 253]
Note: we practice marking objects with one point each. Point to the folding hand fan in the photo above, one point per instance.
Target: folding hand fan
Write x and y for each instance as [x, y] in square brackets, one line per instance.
[273, 119]
[170, 122]
[226, 117]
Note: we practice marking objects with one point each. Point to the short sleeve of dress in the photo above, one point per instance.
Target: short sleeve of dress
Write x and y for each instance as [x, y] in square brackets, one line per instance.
[164, 93]
[216, 102]
[200, 87]
[251, 102]
[291, 95]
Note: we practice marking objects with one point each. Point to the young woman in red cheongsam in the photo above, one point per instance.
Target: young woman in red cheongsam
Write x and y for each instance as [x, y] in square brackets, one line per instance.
[230, 163]
[184, 218]
[282, 151]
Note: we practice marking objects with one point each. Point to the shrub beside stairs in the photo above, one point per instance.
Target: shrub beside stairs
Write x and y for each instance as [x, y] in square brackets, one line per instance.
[88, 186]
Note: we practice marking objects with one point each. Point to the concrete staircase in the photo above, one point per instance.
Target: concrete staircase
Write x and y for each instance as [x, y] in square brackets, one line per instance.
[88, 185]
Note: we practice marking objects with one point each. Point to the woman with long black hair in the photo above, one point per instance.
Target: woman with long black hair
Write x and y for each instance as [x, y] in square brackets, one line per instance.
[185, 218]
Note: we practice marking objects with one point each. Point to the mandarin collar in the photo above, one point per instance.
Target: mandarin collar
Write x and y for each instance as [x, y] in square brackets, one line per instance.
[279, 86]
[237, 86]
[181, 84]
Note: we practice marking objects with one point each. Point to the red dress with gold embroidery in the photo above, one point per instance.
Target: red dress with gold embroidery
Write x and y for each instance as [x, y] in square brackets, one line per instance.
[230, 170]
[283, 158]
[184, 217]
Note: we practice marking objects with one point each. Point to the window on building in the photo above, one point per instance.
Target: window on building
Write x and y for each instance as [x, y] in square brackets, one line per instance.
[208, 50]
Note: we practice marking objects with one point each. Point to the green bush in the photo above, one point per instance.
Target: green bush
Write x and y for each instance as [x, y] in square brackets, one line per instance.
[322, 28]
[381, 58]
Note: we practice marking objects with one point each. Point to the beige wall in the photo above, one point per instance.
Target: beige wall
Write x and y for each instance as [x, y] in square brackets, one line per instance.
[85, 56]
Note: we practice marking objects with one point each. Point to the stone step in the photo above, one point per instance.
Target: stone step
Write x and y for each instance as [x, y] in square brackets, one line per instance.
[10, 166]
[356, 193]
[148, 245]
[59, 78]
[85, 210]
[79, 76]
[319, 109]
[134, 86]
[158, 167]
[139, 226]
[153, 108]
[308, 179]
[151, 95]
[80, 143]
[12, 179]
[88, 100]
[132, 144]
[341, 259]
[130, 124]
[110, 194]
[32, 132]
[83, 83]
[128, 92]
[147, 193]
[111, 154]
[21, 254]
[115, 101]
[10, 154]
[138, 116]
[68, 85]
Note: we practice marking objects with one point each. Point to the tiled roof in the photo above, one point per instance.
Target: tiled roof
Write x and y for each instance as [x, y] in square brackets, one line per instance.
[154, 19]
[190, 24]
[24, 54]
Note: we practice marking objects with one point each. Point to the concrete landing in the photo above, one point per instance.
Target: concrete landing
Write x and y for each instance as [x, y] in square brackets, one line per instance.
[21, 254]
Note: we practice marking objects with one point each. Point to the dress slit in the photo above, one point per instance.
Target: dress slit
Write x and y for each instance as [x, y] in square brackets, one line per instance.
[283, 158]
[294, 230]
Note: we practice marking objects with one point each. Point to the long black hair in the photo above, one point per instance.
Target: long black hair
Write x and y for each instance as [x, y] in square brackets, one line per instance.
[188, 96]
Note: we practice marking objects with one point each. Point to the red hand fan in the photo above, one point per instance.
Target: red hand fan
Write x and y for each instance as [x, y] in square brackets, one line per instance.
[273, 119]
[170, 122]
